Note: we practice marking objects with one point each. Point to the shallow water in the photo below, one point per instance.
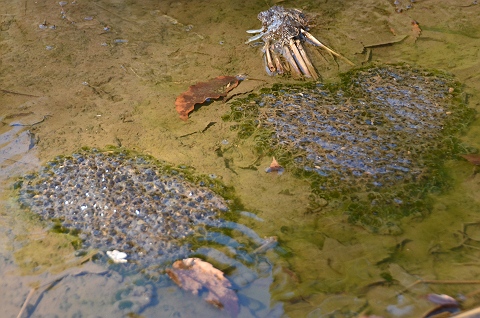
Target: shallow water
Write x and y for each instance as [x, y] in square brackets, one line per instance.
[107, 73]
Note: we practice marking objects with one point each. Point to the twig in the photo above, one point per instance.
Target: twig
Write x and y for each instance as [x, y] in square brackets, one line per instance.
[16, 161]
[471, 294]
[131, 68]
[46, 286]
[469, 314]
[471, 246]
[30, 294]
[432, 281]
[387, 43]
[210, 124]
[118, 16]
[15, 93]
[35, 123]
[451, 282]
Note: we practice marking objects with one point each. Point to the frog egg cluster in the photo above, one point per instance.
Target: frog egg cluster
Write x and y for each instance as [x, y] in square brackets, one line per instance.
[125, 203]
[373, 142]
[375, 134]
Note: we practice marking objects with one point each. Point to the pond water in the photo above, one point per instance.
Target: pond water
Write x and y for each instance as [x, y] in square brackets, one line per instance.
[106, 73]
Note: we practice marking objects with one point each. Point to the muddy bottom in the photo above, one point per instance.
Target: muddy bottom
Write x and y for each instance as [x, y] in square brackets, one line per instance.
[105, 73]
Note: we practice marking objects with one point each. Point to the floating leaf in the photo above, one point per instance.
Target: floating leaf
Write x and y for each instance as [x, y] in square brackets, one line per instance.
[195, 275]
[199, 93]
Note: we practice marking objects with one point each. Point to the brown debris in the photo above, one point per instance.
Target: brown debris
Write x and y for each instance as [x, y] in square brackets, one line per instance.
[472, 158]
[275, 166]
[213, 89]
[416, 29]
[193, 274]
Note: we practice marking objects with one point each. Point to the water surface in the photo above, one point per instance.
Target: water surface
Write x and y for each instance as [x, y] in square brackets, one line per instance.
[107, 73]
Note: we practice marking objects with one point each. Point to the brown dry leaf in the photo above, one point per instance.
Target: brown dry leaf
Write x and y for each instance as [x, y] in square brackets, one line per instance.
[194, 275]
[416, 29]
[472, 158]
[275, 166]
[200, 92]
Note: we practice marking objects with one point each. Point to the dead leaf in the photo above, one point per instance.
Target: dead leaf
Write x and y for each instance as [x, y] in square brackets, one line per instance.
[195, 275]
[213, 89]
[472, 158]
[442, 299]
[416, 29]
[275, 166]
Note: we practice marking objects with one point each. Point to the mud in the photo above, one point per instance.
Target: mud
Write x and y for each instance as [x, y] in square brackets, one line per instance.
[108, 73]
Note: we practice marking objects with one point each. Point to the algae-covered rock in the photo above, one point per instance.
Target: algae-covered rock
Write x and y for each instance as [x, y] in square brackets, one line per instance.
[374, 142]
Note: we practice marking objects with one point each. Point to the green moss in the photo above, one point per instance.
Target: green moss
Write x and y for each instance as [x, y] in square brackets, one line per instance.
[387, 277]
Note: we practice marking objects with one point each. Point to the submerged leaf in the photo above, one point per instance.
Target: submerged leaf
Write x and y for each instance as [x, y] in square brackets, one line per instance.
[195, 275]
[416, 30]
[473, 159]
[442, 299]
[201, 92]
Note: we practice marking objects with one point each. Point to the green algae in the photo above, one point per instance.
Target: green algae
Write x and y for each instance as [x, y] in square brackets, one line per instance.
[51, 251]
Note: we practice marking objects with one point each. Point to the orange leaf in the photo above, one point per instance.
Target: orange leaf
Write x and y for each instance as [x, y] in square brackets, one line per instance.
[416, 29]
[195, 275]
[200, 92]
[472, 158]
[275, 166]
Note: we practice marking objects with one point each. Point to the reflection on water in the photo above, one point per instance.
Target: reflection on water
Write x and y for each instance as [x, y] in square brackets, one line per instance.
[107, 73]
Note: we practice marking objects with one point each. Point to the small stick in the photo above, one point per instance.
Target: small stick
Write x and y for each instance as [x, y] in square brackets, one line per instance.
[432, 281]
[278, 63]
[270, 65]
[35, 123]
[118, 16]
[288, 56]
[309, 64]
[15, 93]
[54, 281]
[30, 294]
[16, 161]
[316, 42]
[298, 57]
[471, 246]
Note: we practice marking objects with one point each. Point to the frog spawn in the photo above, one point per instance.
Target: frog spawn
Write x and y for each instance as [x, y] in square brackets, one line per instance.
[124, 203]
[145, 215]
[370, 143]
